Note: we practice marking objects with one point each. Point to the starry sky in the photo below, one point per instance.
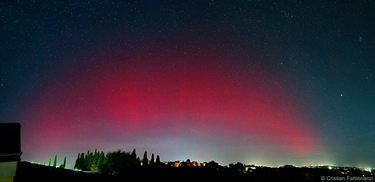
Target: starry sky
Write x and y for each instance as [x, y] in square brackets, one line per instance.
[257, 82]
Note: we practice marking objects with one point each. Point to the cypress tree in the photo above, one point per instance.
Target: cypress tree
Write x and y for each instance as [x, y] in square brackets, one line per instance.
[102, 158]
[64, 164]
[134, 154]
[87, 162]
[76, 165]
[55, 161]
[158, 163]
[95, 159]
[145, 160]
[81, 163]
[152, 161]
[99, 161]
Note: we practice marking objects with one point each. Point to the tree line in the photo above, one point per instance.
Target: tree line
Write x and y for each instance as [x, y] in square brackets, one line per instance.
[89, 162]
[114, 163]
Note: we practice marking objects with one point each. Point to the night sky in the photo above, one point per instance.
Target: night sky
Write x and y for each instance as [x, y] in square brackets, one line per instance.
[257, 82]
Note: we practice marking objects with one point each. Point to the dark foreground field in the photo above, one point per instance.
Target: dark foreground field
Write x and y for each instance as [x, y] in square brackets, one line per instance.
[32, 172]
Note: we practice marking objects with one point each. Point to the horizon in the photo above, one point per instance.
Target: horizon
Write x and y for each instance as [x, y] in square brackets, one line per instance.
[263, 82]
[71, 162]
[226, 165]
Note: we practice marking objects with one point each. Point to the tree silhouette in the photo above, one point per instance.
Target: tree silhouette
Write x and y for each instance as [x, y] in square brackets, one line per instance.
[134, 153]
[97, 160]
[145, 160]
[101, 159]
[158, 163]
[152, 160]
[81, 163]
[212, 165]
[118, 163]
[64, 164]
[238, 167]
[88, 161]
[55, 161]
[289, 170]
[76, 165]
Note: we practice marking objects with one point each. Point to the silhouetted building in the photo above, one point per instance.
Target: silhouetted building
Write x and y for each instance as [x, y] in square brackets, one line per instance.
[10, 150]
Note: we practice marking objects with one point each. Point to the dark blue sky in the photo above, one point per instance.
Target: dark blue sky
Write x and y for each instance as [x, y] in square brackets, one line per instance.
[263, 82]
